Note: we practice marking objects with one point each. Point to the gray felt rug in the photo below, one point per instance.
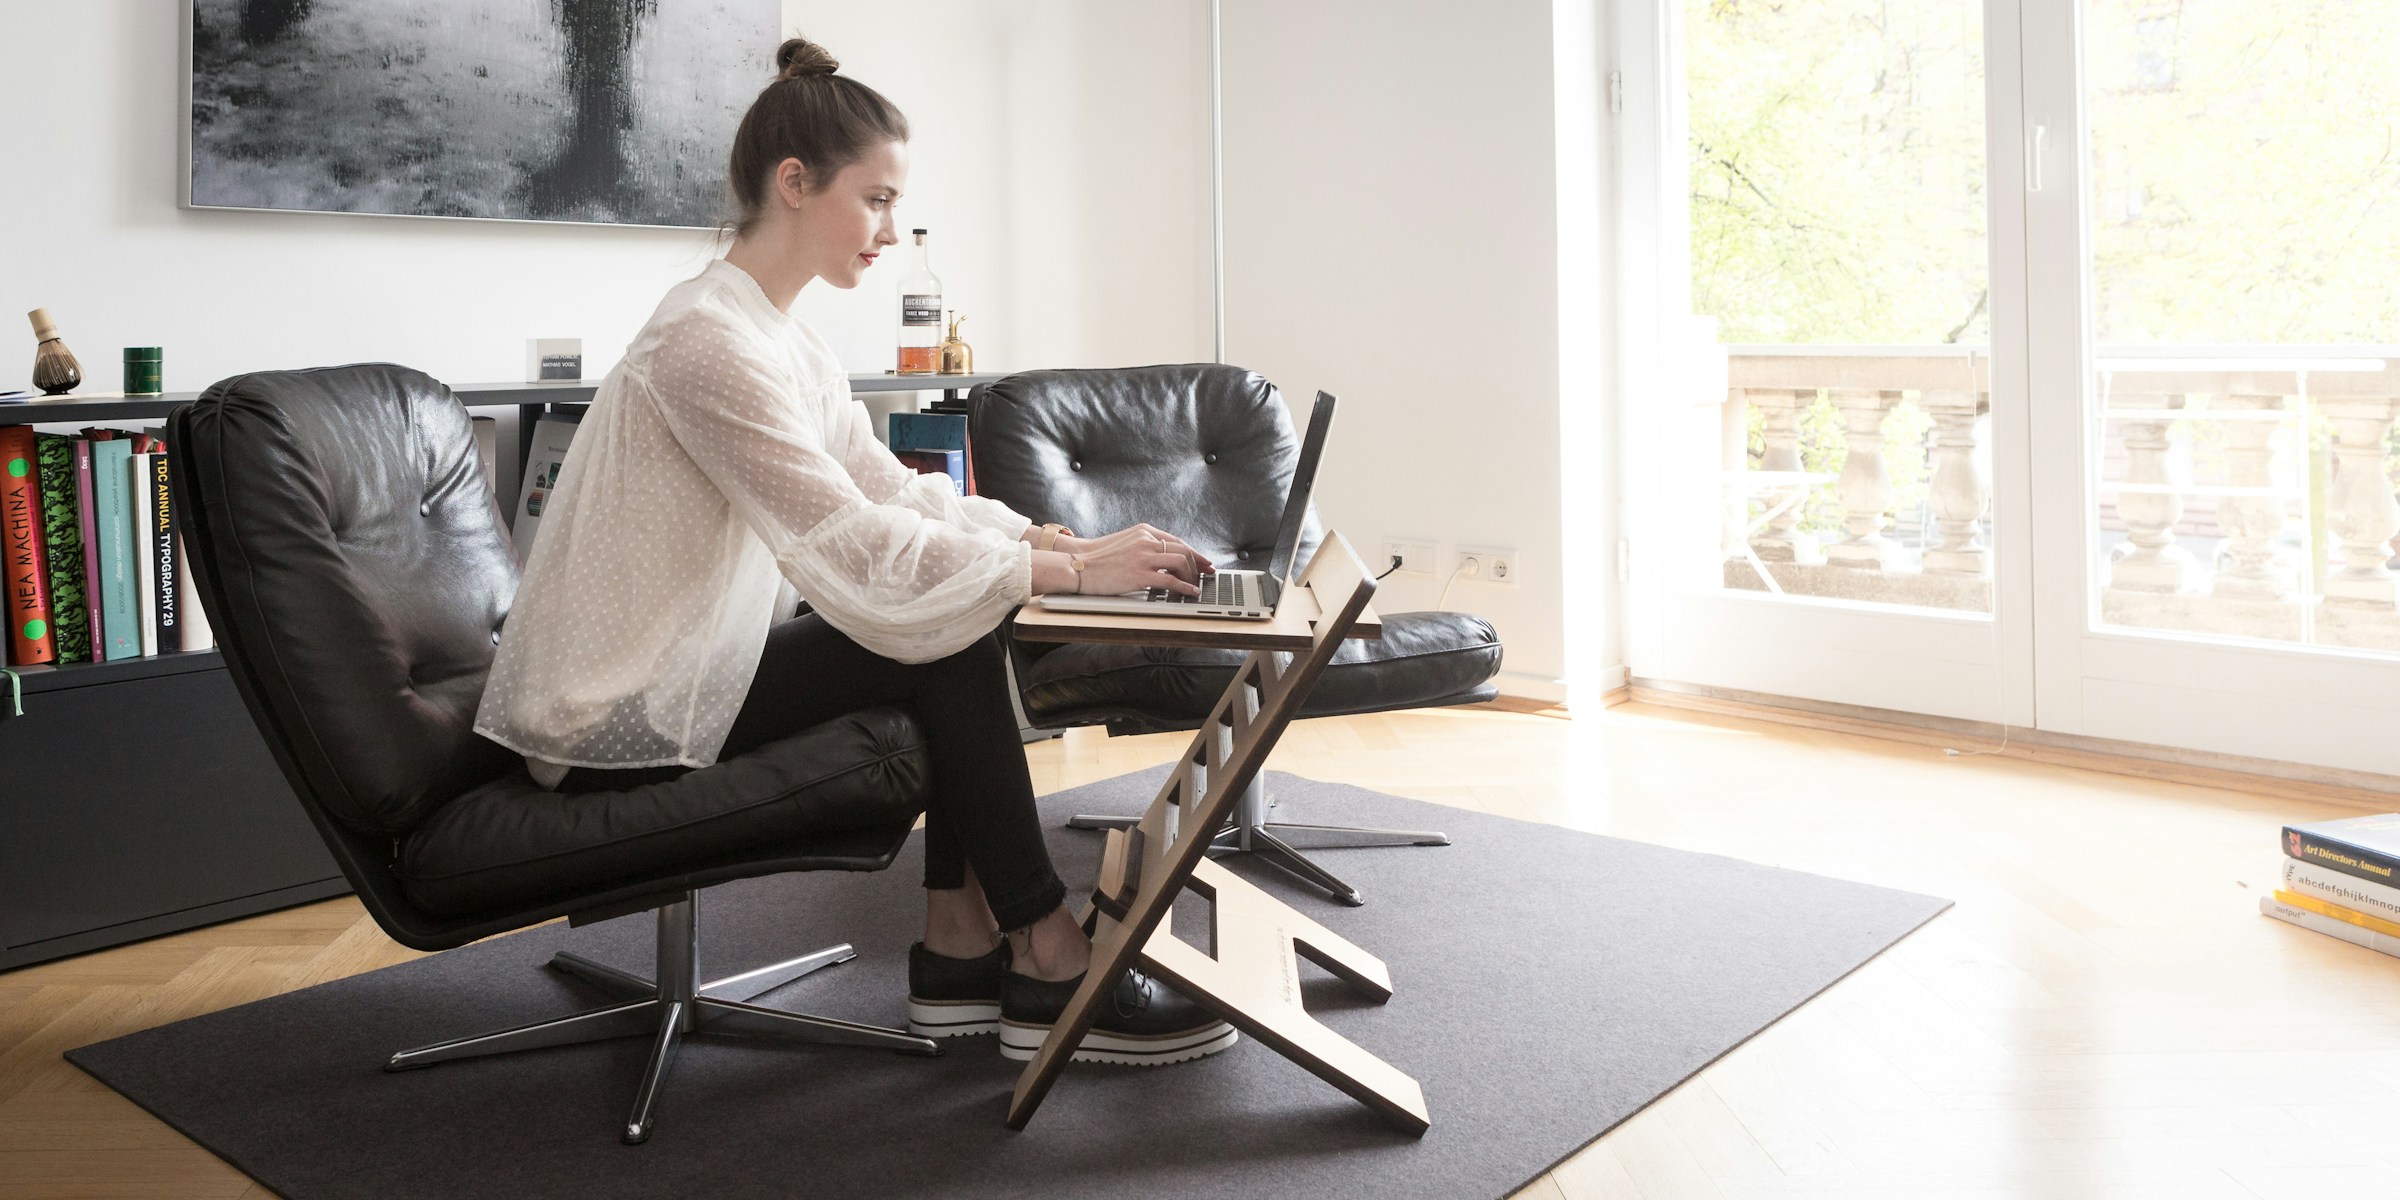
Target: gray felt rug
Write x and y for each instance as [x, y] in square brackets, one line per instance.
[1548, 983]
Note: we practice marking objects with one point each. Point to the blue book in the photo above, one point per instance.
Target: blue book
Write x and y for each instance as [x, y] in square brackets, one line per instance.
[933, 431]
[112, 495]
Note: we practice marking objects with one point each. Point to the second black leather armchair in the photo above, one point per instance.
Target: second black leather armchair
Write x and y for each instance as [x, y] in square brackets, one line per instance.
[1207, 452]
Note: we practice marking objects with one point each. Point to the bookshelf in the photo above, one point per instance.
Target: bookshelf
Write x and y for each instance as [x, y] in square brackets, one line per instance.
[136, 797]
[34, 681]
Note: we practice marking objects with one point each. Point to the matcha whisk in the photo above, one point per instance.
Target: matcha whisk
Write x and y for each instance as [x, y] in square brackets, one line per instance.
[54, 367]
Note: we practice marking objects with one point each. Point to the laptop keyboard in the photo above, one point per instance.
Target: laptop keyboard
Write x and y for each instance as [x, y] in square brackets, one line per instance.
[1225, 591]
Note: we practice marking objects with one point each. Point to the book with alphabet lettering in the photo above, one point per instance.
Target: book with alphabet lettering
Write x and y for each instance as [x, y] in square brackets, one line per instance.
[2334, 887]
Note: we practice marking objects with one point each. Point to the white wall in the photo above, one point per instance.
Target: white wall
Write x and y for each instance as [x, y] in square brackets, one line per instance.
[1393, 231]
[1059, 156]
[1394, 223]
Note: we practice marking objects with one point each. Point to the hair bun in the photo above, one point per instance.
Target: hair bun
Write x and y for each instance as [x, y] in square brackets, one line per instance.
[800, 56]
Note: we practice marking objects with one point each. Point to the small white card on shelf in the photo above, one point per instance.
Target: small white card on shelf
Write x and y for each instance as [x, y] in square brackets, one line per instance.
[553, 360]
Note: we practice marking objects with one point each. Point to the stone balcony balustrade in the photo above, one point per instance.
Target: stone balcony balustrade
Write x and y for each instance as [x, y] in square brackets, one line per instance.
[2304, 547]
[2231, 546]
[1861, 560]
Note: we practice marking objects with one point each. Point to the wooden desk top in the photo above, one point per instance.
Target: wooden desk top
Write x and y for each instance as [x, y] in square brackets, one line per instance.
[1292, 628]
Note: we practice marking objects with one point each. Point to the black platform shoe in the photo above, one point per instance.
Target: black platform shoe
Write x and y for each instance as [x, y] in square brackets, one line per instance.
[1142, 1023]
[954, 997]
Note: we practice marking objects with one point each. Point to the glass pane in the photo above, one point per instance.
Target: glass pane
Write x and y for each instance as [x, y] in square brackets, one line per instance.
[1838, 238]
[2245, 210]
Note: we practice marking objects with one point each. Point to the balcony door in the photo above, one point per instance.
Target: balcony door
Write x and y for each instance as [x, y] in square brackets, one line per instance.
[1835, 444]
[2215, 248]
[2044, 370]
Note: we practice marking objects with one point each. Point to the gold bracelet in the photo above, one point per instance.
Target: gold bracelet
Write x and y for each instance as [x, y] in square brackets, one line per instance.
[1075, 562]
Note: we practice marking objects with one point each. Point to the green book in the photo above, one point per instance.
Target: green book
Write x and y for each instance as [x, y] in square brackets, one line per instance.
[112, 524]
[71, 622]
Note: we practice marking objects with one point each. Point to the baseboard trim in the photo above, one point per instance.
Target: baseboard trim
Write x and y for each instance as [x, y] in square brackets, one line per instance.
[2349, 789]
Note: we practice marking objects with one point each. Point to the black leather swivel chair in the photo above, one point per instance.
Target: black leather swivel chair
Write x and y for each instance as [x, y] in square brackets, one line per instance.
[356, 571]
[1207, 452]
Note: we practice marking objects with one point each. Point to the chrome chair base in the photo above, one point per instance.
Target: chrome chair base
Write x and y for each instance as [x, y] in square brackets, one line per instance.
[1249, 831]
[666, 1009]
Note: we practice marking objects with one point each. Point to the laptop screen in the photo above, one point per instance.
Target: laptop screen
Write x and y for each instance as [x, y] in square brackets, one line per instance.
[1304, 481]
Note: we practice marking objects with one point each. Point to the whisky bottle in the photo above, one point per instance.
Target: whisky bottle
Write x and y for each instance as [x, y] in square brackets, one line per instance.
[920, 315]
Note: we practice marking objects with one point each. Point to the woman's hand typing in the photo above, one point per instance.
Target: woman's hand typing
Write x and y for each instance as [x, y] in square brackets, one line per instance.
[1144, 534]
[1131, 559]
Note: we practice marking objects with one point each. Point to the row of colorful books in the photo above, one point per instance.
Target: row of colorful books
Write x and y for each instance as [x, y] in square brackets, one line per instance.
[91, 559]
[2342, 879]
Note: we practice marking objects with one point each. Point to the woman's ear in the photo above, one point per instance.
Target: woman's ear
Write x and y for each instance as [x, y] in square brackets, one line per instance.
[791, 181]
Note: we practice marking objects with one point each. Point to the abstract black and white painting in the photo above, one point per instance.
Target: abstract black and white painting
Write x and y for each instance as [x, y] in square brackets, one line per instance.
[609, 111]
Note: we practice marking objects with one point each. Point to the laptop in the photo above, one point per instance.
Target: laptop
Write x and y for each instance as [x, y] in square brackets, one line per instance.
[1234, 595]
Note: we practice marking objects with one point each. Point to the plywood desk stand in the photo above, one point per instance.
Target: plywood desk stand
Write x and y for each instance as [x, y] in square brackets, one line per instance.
[1253, 979]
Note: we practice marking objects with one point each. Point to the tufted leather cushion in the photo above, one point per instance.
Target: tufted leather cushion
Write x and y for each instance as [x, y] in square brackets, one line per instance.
[1423, 659]
[1201, 449]
[509, 843]
[362, 570]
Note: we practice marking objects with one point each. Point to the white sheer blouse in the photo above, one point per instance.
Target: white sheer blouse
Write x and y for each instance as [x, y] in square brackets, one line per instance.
[724, 454]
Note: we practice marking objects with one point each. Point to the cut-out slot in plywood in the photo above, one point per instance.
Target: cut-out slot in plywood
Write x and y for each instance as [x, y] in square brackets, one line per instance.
[1253, 979]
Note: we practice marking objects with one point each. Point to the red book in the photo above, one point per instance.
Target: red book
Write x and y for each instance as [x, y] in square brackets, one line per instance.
[24, 586]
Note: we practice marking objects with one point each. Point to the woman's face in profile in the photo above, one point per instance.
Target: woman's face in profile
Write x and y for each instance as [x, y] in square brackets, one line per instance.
[845, 224]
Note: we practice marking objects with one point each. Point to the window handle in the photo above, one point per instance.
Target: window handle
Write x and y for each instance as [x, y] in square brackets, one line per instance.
[2036, 140]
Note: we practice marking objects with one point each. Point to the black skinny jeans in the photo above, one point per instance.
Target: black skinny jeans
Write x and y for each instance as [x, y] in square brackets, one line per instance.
[982, 812]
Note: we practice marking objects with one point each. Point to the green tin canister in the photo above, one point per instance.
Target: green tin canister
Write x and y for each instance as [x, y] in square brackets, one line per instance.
[144, 368]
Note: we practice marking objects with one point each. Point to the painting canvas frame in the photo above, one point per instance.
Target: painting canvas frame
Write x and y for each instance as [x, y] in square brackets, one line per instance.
[591, 112]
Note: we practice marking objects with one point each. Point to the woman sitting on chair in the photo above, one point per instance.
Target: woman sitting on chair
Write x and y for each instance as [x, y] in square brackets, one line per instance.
[723, 452]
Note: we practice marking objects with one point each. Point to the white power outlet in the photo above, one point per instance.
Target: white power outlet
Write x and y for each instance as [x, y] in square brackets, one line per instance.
[1416, 558]
[1488, 564]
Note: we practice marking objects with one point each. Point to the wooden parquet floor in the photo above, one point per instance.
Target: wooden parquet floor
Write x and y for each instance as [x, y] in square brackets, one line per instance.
[2104, 1014]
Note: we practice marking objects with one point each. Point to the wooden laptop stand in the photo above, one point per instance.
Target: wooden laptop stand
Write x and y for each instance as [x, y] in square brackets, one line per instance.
[1253, 979]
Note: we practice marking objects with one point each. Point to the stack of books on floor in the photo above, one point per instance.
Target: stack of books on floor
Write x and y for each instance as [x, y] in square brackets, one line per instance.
[2342, 879]
[91, 558]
